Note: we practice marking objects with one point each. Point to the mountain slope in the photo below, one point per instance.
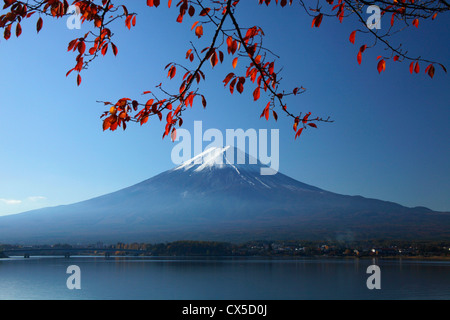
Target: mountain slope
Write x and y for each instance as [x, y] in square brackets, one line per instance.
[213, 197]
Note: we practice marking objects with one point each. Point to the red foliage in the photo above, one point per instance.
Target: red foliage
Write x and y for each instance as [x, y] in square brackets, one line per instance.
[260, 75]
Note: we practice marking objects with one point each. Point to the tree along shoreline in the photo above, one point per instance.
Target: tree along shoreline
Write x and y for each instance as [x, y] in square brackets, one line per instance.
[418, 250]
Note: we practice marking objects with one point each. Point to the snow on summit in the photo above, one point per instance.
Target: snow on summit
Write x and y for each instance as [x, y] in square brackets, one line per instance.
[219, 158]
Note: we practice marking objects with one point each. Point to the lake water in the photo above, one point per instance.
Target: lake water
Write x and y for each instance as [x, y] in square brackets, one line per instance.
[45, 278]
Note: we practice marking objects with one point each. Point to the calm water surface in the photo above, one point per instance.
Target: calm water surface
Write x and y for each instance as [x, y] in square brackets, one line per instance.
[221, 279]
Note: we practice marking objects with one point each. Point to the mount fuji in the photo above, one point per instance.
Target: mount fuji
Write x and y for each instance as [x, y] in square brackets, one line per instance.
[220, 195]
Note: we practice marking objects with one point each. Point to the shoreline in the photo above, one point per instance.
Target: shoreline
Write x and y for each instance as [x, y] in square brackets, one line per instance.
[417, 258]
[293, 249]
[274, 257]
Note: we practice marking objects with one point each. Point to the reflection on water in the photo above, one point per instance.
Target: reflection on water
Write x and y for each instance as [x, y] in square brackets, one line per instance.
[156, 278]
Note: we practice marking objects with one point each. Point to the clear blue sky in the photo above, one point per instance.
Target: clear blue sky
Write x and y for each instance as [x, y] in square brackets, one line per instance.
[390, 140]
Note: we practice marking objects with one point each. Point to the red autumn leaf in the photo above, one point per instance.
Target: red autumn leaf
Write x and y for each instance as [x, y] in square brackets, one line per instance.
[204, 102]
[204, 12]
[235, 61]
[430, 70]
[81, 47]
[199, 31]
[67, 74]
[144, 120]
[18, 30]
[352, 37]
[411, 67]
[228, 78]
[105, 49]
[229, 44]
[306, 117]
[256, 93]
[191, 11]
[317, 21]
[107, 123]
[266, 111]
[299, 132]
[135, 105]
[98, 22]
[149, 103]
[232, 84]
[114, 48]
[72, 45]
[39, 24]
[235, 46]
[359, 56]
[381, 66]
[7, 32]
[271, 67]
[114, 125]
[169, 117]
[173, 136]
[128, 21]
[214, 59]
[417, 67]
[172, 72]
[240, 87]
[194, 24]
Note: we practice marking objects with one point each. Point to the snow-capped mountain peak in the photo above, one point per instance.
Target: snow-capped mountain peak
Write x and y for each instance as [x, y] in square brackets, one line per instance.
[218, 195]
[219, 158]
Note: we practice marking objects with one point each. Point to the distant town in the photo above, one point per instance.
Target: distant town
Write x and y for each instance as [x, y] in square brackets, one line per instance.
[358, 249]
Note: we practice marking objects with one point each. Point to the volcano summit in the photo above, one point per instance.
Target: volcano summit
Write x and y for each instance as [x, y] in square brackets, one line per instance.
[221, 195]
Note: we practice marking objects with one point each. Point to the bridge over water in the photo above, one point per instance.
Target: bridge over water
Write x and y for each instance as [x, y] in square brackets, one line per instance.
[68, 252]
